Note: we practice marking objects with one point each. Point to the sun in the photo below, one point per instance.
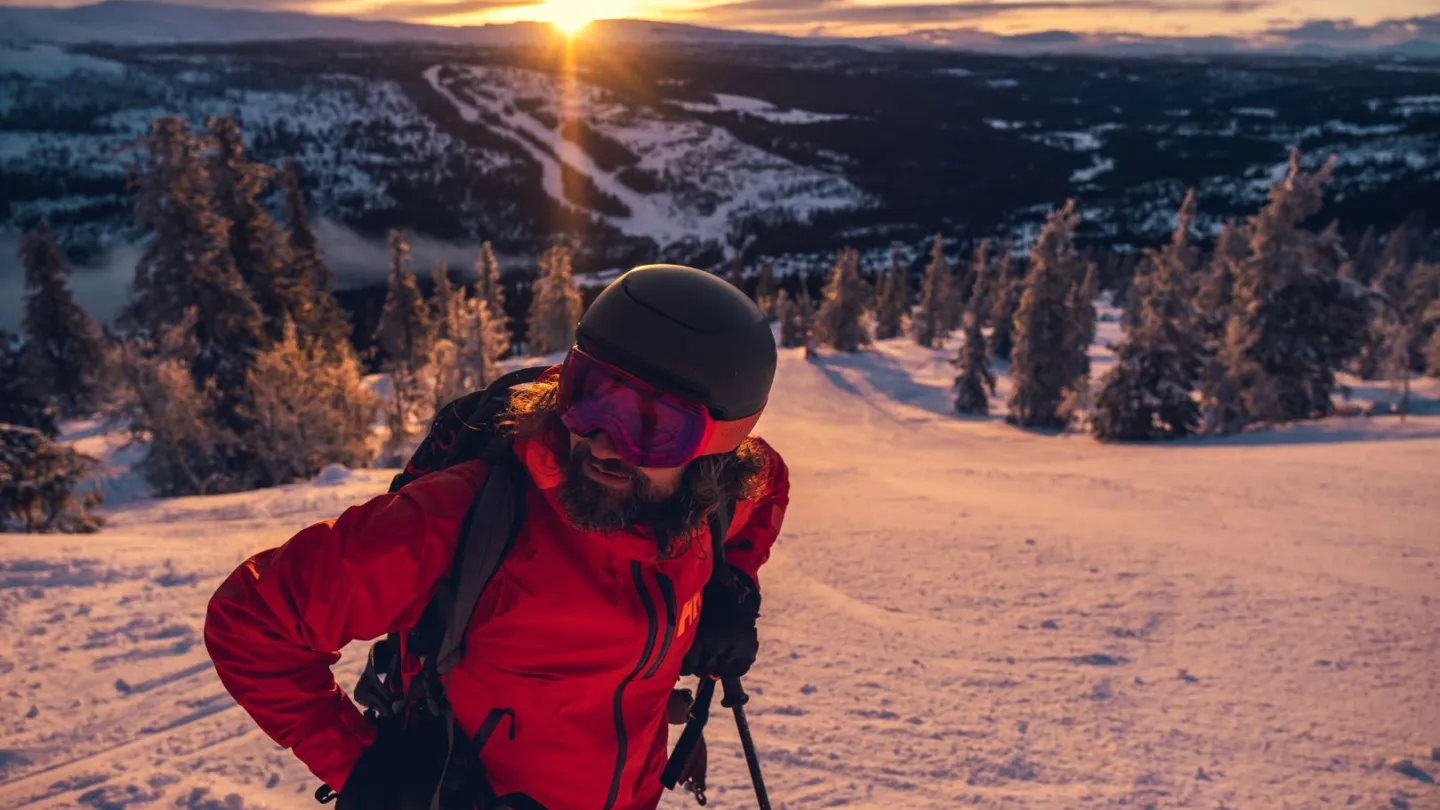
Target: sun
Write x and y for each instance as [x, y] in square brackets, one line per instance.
[570, 16]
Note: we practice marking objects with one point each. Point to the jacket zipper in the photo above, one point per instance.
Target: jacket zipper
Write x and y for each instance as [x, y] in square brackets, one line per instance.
[667, 590]
[621, 737]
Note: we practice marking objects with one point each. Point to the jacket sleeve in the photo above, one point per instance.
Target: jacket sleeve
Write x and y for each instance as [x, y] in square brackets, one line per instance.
[749, 545]
[276, 625]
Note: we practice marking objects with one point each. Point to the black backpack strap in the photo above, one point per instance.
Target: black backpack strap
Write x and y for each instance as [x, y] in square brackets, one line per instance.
[720, 521]
[490, 529]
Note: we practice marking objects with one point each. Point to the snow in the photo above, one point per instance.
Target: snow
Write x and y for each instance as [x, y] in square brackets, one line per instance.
[1073, 141]
[1003, 126]
[1417, 105]
[958, 613]
[724, 102]
[38, 61]
[708, 178]
[959, 73]
[1255, 112]
[1094, 170]
[1003, 83]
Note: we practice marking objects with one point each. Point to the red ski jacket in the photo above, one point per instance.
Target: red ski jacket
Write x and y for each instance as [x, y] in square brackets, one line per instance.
[580, 635]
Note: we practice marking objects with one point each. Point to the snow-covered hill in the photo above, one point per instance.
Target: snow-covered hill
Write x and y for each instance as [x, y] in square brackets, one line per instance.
[958, 613]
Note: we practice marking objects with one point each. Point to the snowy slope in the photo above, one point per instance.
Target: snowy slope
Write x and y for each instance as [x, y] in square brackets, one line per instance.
[958, 613]
[707, 179]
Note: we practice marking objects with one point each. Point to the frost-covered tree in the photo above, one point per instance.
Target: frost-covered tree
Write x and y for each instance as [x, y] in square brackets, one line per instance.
[405, 332]
[765, 289]
[187, 264]
[19, 402]
[309, 409]
[467, 359]
[838, 323]
[41, 484]
[319, 314]
[1043, 366]
[892, 300]
[976, 381]
[443, 300]
[406, 335]
[1005, 291]
[1365, 258]
[555, 308]
[796, 319]
[1216, 288]
[488, 287]
[190, 451]
[1293, 319]
[933, 314]
[257, 247]
[1148, 394]
[64, 357]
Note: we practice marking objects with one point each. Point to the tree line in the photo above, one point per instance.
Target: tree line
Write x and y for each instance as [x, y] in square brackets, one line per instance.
[233, 360]
[1250, 332]
[231, 357]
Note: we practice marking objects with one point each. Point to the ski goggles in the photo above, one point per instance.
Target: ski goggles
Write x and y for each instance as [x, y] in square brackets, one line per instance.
[649, 427]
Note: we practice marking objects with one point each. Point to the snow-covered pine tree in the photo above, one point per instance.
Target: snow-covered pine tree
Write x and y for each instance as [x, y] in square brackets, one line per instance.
[765, 289]
[406, 330]
[1043, 366]
[406, 335]
[1005, 291]
[468, 360]
[187, 262]
[488, 287]
[1432, 349]
[976, 381]
[960, 287]
[191, 452]
[1147, 395]
[320, 313]
[736, 276]
[443, 300]
[186, 281]
[1292, 322]
[892, 300]
[39, 479]
[933, 314]
[838, 323]
[1422, 312]
[64, 359]
[309, 408]
[555, 308]
[787, 309]
[1080, 337]
[1216, 288]
[19, 402]
[256, 245]
[1365, 258]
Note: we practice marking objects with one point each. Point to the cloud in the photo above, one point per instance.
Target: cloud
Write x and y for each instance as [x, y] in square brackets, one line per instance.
[843, 11]
[448, 8]
[1345, 33]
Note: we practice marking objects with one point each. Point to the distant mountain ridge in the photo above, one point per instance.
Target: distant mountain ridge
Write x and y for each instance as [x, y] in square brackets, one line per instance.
[130, 22]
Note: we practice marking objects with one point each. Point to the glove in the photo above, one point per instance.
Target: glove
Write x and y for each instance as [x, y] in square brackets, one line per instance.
[726, 641]
[398, 771]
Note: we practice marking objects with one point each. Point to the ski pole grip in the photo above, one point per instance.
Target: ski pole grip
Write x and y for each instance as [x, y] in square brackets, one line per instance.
[734, 693]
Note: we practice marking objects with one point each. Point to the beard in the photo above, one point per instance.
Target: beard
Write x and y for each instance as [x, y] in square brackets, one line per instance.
[592, 506]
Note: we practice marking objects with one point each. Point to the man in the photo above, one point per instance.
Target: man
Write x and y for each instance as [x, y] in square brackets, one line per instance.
[604, 599]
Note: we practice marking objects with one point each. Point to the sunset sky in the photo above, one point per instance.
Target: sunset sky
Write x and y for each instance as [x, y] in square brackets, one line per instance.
[870, 17]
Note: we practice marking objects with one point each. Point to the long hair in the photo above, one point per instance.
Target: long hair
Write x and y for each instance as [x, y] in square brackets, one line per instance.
[708, 481]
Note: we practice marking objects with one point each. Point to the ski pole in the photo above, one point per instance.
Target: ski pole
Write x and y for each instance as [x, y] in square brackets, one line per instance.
[735, 698]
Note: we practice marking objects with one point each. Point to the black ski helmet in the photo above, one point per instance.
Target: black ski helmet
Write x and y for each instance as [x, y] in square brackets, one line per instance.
[688, 332]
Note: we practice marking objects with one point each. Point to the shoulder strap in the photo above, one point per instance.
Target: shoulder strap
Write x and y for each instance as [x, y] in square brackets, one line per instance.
[490, 530]
[720, 521]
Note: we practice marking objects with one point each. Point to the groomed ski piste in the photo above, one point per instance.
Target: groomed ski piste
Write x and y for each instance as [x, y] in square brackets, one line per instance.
[958, 613]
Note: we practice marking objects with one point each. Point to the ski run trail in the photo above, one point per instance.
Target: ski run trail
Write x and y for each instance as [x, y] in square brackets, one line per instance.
[957, 614]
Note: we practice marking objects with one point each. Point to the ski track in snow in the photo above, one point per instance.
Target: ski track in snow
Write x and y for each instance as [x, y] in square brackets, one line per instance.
[958, 613]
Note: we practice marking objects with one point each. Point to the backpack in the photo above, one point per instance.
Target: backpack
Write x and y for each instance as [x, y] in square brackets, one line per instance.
[462, 431]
